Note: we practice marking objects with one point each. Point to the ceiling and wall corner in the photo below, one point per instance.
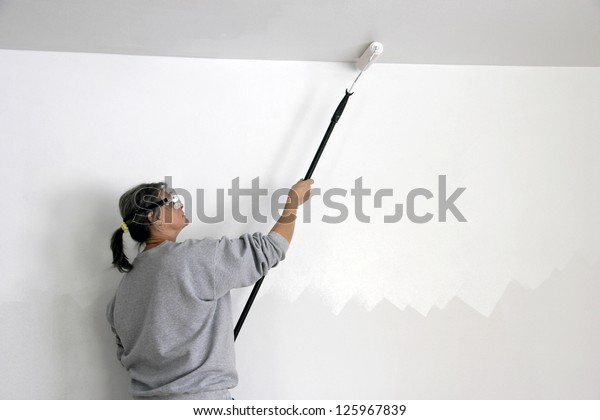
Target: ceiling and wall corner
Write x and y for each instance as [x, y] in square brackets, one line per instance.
[461, 32]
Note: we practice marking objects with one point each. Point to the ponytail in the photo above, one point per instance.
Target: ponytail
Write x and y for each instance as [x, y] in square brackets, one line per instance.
[133, 207]
[120, 260]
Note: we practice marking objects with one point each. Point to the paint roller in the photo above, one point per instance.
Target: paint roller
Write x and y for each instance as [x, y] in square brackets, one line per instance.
[363, 63]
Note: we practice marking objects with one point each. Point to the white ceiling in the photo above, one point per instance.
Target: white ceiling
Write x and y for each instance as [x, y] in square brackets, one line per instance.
[474, 32]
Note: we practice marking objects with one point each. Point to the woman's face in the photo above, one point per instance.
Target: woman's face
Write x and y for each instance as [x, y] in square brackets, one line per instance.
[172, 218]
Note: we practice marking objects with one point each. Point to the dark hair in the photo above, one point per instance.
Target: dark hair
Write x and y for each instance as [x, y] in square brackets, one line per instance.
[134, 207]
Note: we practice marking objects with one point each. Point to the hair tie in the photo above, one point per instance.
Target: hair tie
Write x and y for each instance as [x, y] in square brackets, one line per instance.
[124, 227]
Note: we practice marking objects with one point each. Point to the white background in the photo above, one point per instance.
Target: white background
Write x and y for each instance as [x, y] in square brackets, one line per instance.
[502, 306]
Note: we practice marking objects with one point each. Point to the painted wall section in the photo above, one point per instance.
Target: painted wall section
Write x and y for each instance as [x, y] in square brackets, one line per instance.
[77, 130]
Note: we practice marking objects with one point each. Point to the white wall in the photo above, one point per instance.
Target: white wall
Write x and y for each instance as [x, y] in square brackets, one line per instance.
[501, 306]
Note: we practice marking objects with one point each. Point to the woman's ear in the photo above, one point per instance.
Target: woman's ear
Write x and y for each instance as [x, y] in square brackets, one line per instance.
[149, 216]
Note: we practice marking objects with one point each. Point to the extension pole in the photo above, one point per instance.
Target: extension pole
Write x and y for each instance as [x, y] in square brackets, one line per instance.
[334, 119]
[363, 63]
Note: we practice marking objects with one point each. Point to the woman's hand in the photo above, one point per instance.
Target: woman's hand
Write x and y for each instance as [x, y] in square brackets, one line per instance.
[299, 193]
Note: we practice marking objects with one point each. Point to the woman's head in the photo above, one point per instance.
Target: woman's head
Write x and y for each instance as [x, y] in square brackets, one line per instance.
[149, 211]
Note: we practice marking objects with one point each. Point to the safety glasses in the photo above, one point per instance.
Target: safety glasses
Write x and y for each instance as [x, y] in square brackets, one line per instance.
[172, 198]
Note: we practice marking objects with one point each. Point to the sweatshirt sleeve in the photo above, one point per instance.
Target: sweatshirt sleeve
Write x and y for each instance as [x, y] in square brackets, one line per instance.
[243, 261]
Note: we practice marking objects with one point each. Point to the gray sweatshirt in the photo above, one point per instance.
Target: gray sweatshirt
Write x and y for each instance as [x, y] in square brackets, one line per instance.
[172, 316]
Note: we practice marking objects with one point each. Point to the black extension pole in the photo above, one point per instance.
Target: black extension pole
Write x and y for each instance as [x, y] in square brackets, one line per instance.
[334, 119]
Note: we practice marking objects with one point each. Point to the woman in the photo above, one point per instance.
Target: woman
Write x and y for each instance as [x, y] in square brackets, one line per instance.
[171, 313]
